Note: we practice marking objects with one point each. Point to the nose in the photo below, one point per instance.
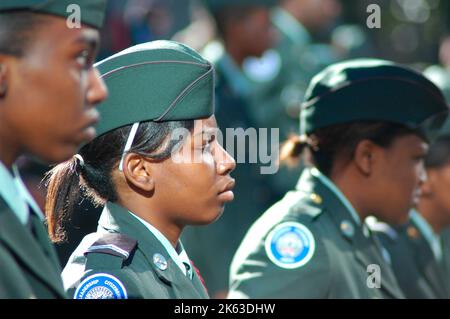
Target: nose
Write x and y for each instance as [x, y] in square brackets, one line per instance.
[422, 175]
[97, 91]
[225, 162]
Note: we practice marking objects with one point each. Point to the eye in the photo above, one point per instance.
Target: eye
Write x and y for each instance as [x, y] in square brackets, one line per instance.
[206, 146]
[84, 59]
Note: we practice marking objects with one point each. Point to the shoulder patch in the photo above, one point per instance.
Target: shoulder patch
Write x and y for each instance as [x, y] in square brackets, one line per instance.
[290, 245]
[114, 244]
[101, 286]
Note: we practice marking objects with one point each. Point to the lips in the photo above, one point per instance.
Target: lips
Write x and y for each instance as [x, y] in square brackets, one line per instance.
[88, 131]
[228, 186]
[226, 194]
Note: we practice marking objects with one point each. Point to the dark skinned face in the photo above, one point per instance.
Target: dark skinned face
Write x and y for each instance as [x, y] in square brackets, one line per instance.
[438, 185]
[192, 187]
[48, 110]
[256, 32]
[397, 176]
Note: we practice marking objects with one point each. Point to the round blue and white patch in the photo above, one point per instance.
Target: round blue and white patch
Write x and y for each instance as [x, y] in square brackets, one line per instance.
[290, 245]
[101, 286]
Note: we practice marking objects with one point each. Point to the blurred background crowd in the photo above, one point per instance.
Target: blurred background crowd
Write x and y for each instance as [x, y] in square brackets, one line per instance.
[264, 58]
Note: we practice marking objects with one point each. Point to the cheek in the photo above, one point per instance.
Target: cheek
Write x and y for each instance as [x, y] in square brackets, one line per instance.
[399, 181]
[442, 190]
[190, 179]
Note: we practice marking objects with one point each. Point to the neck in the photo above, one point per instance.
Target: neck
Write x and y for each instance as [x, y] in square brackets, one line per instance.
[235, 53]
[433, 215]
[346, 183]
[9, 149]
[8, 152]
[294, 9]
[168, 228]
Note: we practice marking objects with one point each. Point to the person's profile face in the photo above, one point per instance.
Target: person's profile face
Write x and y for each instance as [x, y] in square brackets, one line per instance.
[258, 32]
[53, 89]
[438, 187]
[195, 183]
[398, 173]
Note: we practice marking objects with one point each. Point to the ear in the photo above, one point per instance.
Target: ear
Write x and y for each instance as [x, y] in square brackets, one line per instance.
[364, 157]
[137, 171]
[3, 78]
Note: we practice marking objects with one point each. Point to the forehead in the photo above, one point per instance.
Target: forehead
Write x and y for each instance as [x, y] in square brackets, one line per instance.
[207, 125]
[53, 30]
[410, 143]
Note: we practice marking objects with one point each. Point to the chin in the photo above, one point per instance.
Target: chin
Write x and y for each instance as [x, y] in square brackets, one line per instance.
[54, 156]
[210, 218]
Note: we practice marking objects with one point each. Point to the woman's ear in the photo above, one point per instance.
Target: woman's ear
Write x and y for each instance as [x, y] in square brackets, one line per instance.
[137, 171]
[364, 157]
[3, 79]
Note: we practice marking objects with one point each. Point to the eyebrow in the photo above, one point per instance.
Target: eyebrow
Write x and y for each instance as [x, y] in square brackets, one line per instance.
[93, 41]
[208, 132]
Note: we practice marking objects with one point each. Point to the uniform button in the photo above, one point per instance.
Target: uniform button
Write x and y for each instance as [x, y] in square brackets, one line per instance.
[160, 261]
[347, 228]
[316, 198]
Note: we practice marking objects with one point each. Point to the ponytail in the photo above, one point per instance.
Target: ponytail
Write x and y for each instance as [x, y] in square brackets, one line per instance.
[293, 148]
[63, 191]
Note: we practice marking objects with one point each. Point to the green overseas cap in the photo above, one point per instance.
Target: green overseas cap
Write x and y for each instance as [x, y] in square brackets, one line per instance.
[159, 81]
[217, 5]
[371, 89]
[92, 12]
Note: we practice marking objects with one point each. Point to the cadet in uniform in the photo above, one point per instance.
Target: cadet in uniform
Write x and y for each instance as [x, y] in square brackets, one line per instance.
[419, 256]
[48, 88]
[152, 183]
[364, 127]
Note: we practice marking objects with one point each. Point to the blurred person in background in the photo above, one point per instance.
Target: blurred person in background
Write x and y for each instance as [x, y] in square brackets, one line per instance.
[281, 76]
[440, 74]
[419, 251]
[244, 30]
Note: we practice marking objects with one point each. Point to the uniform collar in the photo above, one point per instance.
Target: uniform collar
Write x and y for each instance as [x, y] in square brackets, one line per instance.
[433, 239]
[12, 194]
[118, 219]
[290, 27]
[25, 194]
[178, 255]
[336, 191]
[324, 193]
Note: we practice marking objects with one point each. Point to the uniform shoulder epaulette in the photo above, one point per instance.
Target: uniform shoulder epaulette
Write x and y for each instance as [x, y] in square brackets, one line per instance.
[308, 204]
[114, 244]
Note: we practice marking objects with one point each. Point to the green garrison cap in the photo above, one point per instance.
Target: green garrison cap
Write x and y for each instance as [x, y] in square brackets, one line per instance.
[92, 11]
[217, 5]
[159, 81]
[371, 89]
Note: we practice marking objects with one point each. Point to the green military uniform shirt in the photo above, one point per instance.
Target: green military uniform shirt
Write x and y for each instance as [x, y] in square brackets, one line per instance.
[421, 273]
[28, 262]
[310, 245]
[124, 259]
